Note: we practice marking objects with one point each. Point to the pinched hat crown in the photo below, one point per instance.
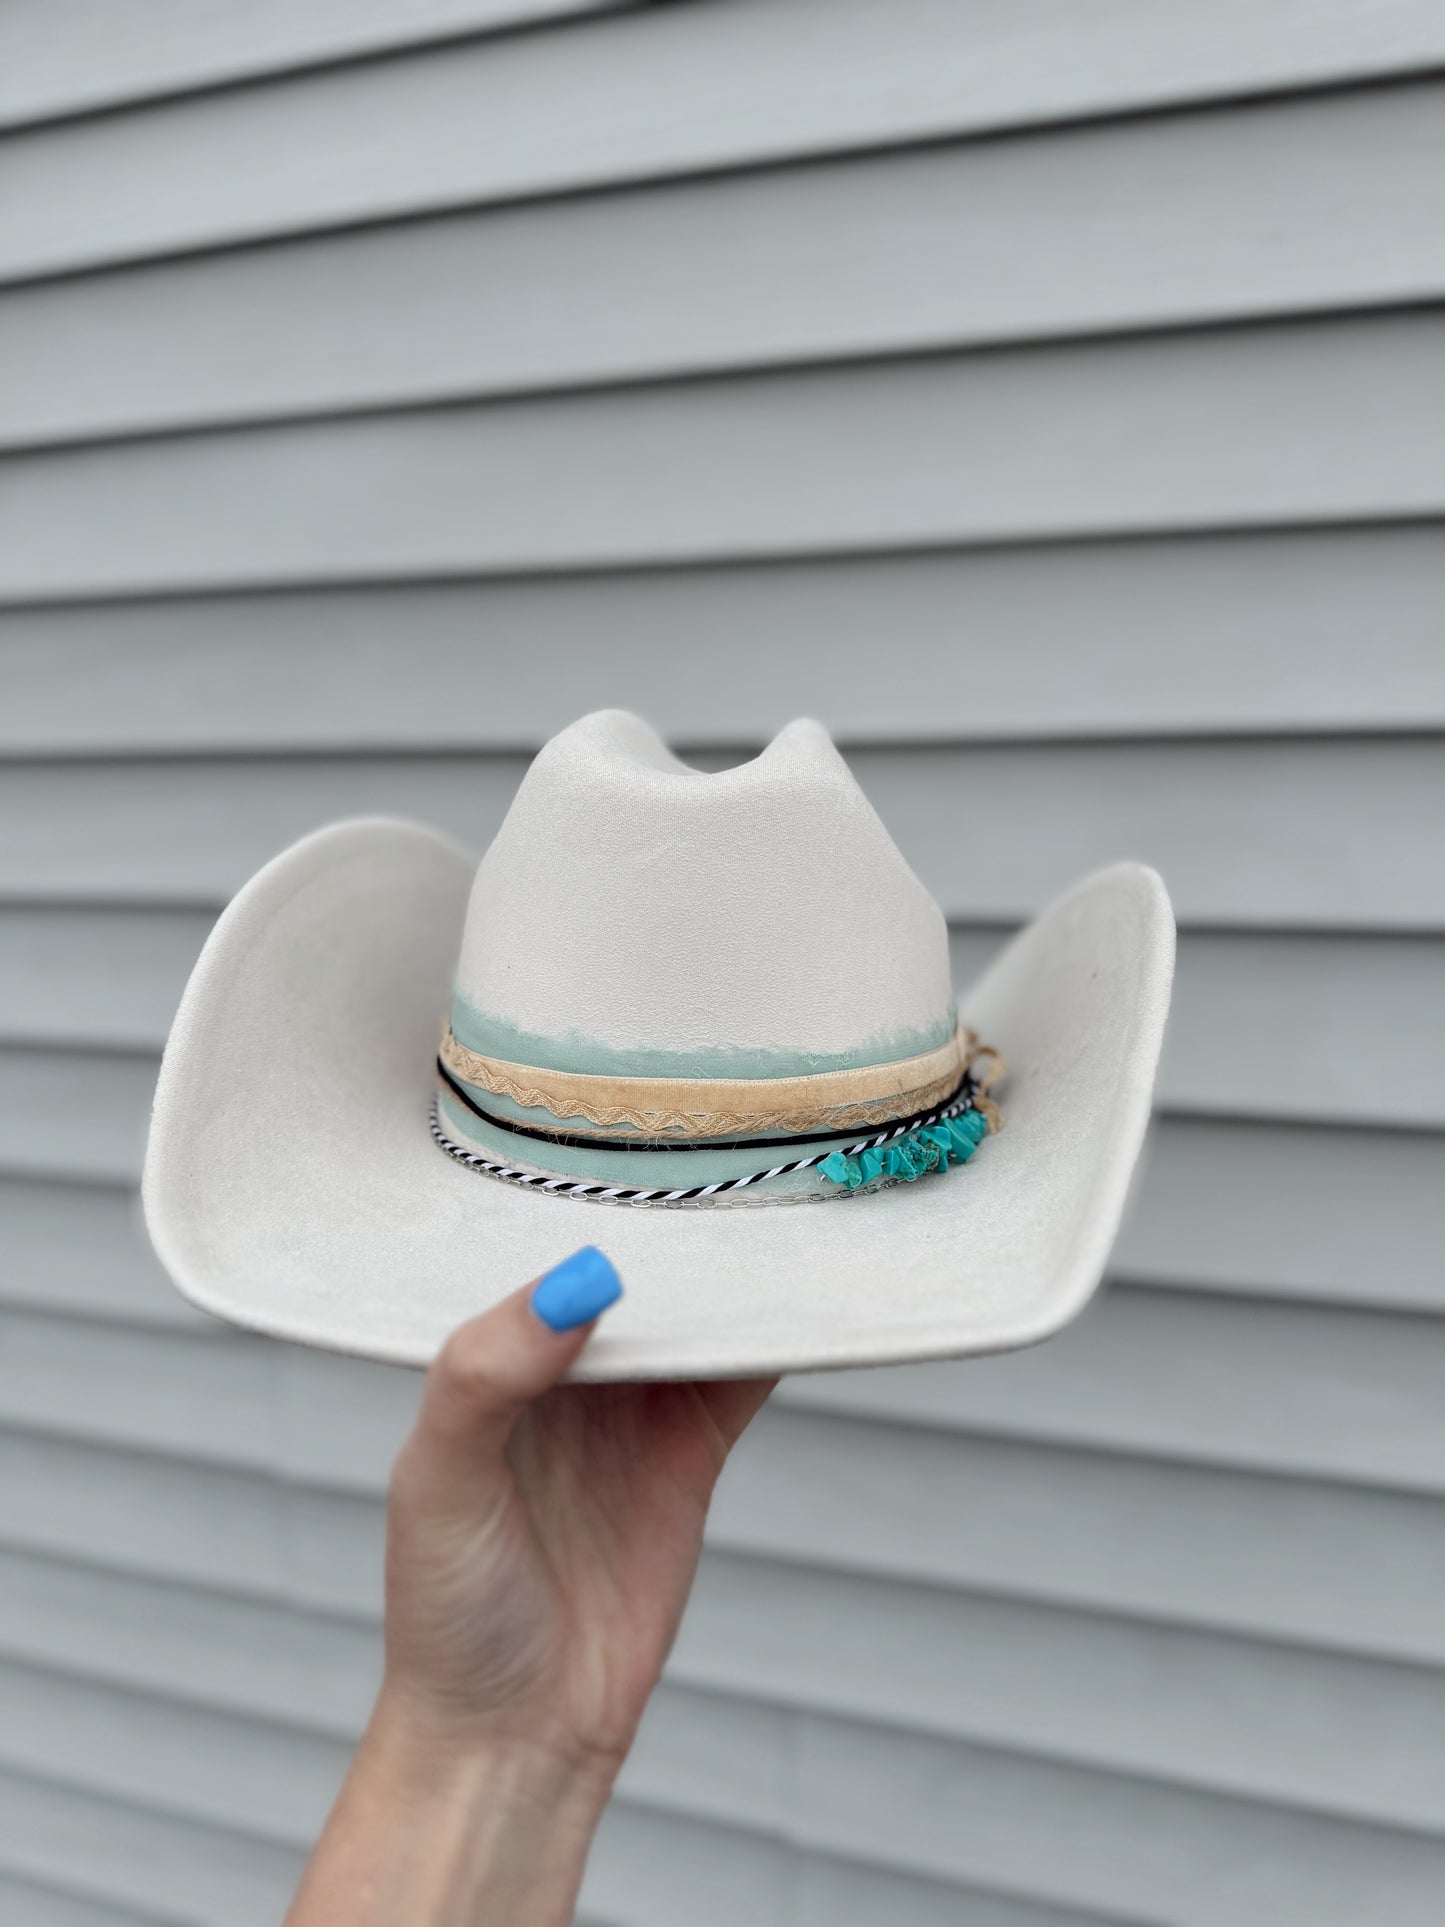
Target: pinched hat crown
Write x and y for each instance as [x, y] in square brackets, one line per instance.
[636, 916]
[657, 959]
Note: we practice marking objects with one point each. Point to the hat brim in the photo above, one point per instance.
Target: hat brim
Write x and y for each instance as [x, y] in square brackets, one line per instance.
[291, 1184]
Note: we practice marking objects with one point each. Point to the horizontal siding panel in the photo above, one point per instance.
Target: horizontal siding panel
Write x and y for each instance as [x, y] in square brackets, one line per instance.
[241, 1405]
[1281, 209]
[1196, 1709]
[1233, 1206]
[1316, 1392]
[1243, 834]
[653, 1869]
[1256, 1023]
[213, 1877]
[103, 979]
[1224, 1552]
[1296, 1560]
[659, 92]
[940, 1809]
[55, 845]
[1188, 1708]
[258, 1536]
[1308, 1391]
[208, 1876]
[213, 1398]
[649, 1869]
[260, 1778]
[1277, 835]
[1274, 1026]
[73, 1116]
[25, 1904]
[81, 1248]
[278, 1781]
[1322, 630]
[62, 57]
[1132, 1845]
[1337, 420]
[265, 1659]
[110, 980]
[641, 1870]
[833, 1892]
[1334, 1214]
[181, 1871]
[642, 1867]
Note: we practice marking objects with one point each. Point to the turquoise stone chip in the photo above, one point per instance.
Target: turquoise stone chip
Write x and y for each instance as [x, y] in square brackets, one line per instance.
[928, 1148]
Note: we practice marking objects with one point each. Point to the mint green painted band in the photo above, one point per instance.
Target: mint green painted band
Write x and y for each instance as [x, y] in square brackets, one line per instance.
[665, 1169]
[586, 1056]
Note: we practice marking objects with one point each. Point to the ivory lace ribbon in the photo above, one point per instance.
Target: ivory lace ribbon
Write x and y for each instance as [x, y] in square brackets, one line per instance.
[731, 1106]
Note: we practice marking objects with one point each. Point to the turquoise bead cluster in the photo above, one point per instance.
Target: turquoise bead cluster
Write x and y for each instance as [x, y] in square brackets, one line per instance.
[928, 1149]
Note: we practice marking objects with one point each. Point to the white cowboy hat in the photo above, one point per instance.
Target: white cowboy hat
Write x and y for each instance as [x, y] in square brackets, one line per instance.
[683, 1001]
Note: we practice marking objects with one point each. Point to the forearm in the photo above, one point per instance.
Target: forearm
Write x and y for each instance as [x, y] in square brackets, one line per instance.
[433, 1833]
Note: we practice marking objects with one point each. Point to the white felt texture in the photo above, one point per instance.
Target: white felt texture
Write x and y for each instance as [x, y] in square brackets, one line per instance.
[640, 903]
[291, 1184]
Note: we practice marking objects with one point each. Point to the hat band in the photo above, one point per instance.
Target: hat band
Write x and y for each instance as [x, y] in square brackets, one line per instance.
[673, 1107]
[645, 1147]
[903, 1151]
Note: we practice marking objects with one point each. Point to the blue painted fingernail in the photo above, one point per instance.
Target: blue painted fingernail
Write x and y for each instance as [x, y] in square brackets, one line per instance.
[576, 1291]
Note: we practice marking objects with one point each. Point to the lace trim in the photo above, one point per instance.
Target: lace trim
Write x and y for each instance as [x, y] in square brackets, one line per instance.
[731, 1107]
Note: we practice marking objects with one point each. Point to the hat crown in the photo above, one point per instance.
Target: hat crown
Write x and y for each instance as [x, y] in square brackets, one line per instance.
[637, 916]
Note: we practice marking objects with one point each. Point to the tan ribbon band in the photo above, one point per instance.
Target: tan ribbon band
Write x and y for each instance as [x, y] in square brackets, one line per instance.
[730, 1106]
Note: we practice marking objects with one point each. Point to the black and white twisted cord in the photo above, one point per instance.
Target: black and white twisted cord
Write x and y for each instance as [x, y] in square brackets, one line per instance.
[962, 1100]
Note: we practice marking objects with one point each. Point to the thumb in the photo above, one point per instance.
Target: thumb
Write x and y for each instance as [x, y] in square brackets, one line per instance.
[495, 1365]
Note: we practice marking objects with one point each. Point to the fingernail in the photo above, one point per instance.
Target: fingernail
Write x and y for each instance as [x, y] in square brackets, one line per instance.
[576, 1291]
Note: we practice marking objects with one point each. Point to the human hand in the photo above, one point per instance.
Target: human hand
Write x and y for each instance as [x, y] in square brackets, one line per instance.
[541, 1544]
[542, 1540]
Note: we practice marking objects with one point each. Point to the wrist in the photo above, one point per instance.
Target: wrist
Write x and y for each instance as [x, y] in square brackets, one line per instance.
[440, 1825]
[519, 1765]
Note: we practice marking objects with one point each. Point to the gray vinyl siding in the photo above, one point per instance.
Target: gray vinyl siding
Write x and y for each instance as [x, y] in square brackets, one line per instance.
[1052, 399]
[87, 54]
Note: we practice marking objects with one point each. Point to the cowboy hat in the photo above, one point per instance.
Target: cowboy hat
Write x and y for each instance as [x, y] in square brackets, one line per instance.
[703, 1021]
